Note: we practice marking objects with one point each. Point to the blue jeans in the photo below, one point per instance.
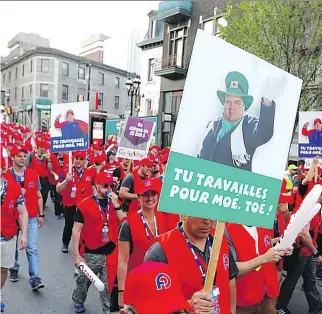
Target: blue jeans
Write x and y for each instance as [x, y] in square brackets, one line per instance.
[31, 251]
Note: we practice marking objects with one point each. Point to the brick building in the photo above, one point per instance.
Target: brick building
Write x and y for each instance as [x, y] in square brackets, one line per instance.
[42, 76]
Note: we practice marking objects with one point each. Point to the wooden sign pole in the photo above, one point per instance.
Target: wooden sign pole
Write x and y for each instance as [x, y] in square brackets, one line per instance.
[316, 172]
[129, 166]
[70, 162]
[214, 256]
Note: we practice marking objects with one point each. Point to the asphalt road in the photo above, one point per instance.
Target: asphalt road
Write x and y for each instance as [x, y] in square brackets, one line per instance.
[56, 270]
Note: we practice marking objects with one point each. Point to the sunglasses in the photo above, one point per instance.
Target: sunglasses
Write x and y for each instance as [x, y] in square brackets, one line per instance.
[105, 186]
[149, 194]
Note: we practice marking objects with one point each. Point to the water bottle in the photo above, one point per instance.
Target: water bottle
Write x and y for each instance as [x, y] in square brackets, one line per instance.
[215, 301]
[105, 236]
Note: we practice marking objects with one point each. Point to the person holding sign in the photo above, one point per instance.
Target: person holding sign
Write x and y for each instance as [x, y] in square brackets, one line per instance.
[233, 138]
[138, 232]
[78, 178]
[257, 283]
[131, 184]
[96, 228]
[187, 249]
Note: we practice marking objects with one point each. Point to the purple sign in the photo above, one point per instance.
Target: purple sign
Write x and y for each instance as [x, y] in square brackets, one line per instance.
[138, 131]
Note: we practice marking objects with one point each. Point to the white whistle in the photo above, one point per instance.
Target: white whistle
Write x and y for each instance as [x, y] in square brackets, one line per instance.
[91, 276]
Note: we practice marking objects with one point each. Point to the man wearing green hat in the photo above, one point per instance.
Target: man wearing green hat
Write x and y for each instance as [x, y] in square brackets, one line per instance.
[233, 138]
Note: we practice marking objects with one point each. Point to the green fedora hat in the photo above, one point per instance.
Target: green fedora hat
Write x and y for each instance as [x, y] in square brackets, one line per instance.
[236, 85]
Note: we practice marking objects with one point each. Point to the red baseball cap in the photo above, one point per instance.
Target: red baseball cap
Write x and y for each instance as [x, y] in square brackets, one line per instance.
[146, 162]
[69, 112]
[158, 148]
[100, 158]
[317, 121]
[154, 288]
[103, 178]
[79, 153]
[150, 185]
[16, 149]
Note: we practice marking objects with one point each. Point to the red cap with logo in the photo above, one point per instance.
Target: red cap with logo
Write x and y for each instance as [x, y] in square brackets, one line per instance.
[69, 112]
[103, 178]
[146, 162]
[154, 288]
[80, 154]
[16, 149]
[150, 185]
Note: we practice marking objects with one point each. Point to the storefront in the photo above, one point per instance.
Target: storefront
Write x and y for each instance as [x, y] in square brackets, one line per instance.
[43, 107]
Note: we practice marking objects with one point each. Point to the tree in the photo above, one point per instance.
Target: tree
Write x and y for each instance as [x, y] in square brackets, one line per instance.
[287, 34]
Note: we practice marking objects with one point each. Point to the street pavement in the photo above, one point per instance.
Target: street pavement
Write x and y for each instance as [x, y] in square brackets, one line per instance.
[56, 270]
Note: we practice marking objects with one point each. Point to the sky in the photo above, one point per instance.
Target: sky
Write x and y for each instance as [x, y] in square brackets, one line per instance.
[67, 23]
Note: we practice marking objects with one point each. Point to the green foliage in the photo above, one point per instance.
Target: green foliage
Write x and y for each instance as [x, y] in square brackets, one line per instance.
[287, 34]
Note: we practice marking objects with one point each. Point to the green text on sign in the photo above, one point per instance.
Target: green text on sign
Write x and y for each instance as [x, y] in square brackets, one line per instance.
[202, 188]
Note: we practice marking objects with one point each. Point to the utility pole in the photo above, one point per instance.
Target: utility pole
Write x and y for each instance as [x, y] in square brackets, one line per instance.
[89, 81]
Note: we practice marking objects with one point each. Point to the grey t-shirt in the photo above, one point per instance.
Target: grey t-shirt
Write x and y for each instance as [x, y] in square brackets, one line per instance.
[125, 234]
[156, 254]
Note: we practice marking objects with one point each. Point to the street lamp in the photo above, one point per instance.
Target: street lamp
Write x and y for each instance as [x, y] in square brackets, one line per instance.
[133, 89]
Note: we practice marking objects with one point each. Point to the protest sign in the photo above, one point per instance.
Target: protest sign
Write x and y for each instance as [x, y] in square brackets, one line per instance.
[309, 162]
[69, 127]
[136, 138]
[310, 134]
[232, 136]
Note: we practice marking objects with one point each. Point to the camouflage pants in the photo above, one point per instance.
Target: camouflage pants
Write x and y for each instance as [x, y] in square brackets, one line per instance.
[97, 263]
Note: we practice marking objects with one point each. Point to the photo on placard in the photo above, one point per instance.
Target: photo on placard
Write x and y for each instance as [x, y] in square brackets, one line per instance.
[69, 126]
[310, 134]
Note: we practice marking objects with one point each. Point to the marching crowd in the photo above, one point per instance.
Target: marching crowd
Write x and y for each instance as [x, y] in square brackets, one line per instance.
[150, 262]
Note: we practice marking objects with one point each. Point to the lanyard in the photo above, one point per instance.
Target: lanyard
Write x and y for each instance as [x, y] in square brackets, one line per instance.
[146, 226]
[194, 254]
[80, 175]
[107, 208]
[19, 179]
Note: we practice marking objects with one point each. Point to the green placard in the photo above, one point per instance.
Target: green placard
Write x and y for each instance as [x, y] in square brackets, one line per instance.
[205, 189]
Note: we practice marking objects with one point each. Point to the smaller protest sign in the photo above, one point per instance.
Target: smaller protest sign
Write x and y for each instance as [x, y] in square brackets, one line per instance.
[136, 138]
[309, 162]
[310, 134]
[69, 127]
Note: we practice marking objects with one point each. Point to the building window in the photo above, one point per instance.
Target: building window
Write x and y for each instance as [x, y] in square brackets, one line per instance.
[23, 70]
[209, 26]
[116, 102]
[65, 68]
[22, 92]
[80, 98]
[152, 28]
[3, 78]
[101, 78]
[148, 104]
[16, 92]
[65, 92]
[151, 70]
[117, 83]
[43, 90]
[81, 73]
[30, 90]
[100, 100]
[177, 49]
[9, 77]
[222, 22]
[30, 66]
[45, 65]
[16, 73]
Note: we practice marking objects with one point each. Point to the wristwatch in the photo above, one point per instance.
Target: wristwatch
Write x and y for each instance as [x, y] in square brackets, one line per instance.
[317, 254]
[41, 216]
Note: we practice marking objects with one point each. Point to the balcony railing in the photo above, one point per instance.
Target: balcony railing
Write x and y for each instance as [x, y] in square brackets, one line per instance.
[170, 62]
